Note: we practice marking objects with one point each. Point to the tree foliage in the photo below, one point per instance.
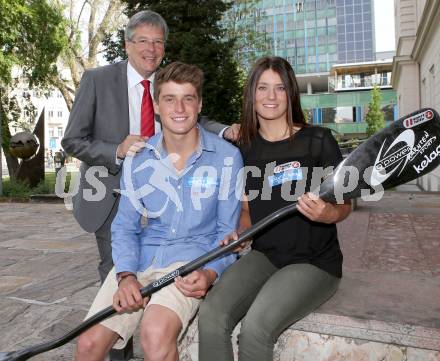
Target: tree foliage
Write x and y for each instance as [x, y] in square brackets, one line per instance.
[375, 118]
[31, 38]
[196, 37]
[86, 24]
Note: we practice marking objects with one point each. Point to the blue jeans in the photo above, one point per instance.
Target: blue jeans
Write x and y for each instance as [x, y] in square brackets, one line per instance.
[267, 299]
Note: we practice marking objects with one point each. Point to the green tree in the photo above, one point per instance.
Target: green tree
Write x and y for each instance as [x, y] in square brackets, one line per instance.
[374, 118]
[196, 37]
[86, 24]
[31, 38]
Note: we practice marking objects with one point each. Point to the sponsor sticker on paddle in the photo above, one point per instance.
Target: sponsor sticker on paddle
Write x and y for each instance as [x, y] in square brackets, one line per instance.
[418, 119]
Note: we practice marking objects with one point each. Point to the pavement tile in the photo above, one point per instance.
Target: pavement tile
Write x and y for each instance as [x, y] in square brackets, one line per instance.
[390, 297]
[10, 284]
[60, 285]
[352, 234]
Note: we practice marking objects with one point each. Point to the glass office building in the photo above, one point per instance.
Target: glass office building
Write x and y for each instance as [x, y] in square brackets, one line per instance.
[355, 31]
[314, 34]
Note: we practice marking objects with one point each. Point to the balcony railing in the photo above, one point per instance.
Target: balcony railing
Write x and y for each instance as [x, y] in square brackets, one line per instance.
[356, 81]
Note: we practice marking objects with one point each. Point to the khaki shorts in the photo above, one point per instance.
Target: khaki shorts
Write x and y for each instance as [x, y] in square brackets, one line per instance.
[125, 324]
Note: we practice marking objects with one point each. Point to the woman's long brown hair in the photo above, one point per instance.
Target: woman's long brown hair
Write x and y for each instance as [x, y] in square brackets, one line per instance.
[295, 115]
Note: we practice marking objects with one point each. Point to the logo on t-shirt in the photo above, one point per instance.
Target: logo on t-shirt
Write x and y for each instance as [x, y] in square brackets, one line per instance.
[286, 172]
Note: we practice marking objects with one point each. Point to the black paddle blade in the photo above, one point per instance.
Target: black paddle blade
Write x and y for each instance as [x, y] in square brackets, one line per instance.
[409, 148]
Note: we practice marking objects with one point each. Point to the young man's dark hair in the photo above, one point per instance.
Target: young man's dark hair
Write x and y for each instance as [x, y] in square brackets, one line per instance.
[179, 73]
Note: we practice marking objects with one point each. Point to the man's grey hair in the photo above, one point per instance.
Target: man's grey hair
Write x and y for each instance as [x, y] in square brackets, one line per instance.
[145, 17]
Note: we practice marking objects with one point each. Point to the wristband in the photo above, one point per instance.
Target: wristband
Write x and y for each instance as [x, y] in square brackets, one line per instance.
[121, 276]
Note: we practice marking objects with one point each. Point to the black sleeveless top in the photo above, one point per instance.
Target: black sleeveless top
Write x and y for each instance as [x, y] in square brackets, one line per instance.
[280, 172]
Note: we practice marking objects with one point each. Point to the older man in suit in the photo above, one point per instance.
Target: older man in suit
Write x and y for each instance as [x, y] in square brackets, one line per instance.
[112, 113]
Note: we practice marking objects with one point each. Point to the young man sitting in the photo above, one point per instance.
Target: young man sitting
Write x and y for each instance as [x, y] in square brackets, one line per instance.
[178, 200]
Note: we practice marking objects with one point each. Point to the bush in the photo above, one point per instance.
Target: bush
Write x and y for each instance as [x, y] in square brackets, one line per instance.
[43, 188]
[16, 189]
[375, 118]
[20, 189]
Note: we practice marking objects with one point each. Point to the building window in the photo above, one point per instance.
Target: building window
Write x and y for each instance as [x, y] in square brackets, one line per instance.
[60, 131]
[50, 113]
[310, 6]
[60, 113]
[299, 7]
[384, 78]
[344, 115]
[300, 69]
[51, 132]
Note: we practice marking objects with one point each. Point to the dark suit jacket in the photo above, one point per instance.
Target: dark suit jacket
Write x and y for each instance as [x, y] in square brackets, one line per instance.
[98, 123]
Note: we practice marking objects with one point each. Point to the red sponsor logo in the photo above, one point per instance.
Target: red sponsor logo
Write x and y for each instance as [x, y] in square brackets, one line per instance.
[418, 119]
[408, 123]
[429, 114]
[287, 166]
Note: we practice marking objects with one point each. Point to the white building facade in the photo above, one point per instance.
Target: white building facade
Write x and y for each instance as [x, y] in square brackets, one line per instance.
[416, 67]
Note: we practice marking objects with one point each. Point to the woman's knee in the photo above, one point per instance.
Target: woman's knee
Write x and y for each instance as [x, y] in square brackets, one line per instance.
[213, 318]
[255, 327]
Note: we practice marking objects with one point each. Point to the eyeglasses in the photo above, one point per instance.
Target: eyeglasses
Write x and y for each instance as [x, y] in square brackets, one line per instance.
[143, 43]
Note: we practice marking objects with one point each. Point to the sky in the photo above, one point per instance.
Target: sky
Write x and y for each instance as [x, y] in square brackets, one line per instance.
[384, 23]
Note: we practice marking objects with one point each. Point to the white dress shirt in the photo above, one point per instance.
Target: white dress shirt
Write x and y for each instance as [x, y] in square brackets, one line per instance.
[135, 94]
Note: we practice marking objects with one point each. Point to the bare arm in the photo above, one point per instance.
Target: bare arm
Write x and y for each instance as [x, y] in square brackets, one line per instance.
[244, 223]
[245, 217]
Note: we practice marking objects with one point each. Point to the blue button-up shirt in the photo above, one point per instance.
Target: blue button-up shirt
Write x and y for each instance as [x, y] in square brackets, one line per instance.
[166, 216]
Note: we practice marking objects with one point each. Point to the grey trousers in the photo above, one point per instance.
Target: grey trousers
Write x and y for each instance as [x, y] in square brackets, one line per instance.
[267, 299]
[104, 242]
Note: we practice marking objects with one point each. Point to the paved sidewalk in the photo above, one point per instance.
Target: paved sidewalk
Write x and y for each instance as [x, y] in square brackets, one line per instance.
[48, 274]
